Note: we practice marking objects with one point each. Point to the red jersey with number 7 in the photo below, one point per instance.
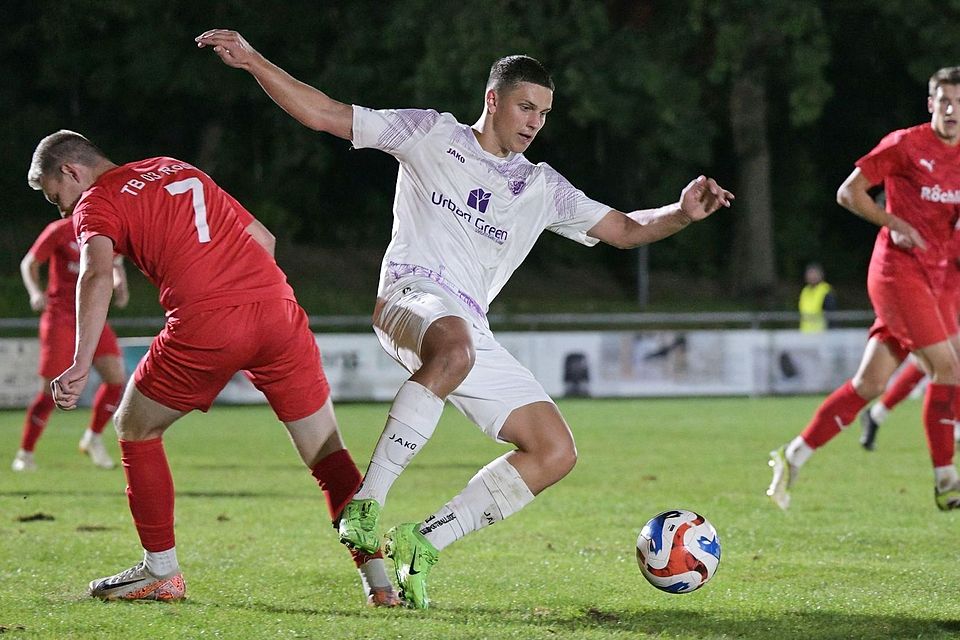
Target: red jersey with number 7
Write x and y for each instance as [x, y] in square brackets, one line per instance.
[185, 233]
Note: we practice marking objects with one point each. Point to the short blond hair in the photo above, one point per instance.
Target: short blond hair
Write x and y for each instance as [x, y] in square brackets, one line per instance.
[947, 75]
[57, 149]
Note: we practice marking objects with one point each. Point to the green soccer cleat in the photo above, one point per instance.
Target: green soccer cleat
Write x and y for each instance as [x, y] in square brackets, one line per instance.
[949, 498]
[358, 525]
[784, 475]
[413, 556]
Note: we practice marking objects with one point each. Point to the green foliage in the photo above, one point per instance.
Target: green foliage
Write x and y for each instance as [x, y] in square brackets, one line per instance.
[641, 103]
[863, 553]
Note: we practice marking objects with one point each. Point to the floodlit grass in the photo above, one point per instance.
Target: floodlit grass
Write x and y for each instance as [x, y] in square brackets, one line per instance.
[863, 553]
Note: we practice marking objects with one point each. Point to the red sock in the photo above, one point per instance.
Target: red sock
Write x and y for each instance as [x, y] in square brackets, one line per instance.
[339, 479]
[37, 415]
[149, 491]
[834, 413]
[104, 404]
[938, 417]
[904, 383]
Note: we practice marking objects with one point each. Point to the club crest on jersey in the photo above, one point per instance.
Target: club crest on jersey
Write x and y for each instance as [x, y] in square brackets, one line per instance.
[516, 186]
[478, 199]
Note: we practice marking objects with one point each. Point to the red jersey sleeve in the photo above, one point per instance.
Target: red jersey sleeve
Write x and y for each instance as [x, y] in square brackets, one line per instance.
[97, 216]
[884, 159]
[244, 216]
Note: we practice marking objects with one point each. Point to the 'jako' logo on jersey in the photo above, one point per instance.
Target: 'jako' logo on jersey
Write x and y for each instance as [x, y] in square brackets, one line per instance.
[478, 199]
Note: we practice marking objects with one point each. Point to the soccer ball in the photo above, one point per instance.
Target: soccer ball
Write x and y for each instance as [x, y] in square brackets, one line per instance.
[678, 551]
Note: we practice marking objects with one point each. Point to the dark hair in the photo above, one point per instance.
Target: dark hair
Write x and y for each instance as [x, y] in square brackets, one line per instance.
[508, 72]
[947, 75]
[57, 149]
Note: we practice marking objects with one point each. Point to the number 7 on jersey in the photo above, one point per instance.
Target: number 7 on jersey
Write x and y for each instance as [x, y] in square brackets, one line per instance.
[199, 204]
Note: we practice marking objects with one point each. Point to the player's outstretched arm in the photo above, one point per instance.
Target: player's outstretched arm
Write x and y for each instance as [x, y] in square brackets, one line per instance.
[699, 199]
[94, 289]
[310, 106]
[30, 272]
[854, 195]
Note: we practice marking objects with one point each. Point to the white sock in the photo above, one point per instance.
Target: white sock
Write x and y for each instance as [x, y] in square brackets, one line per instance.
[496, 492]
[879, 412]
[945, 477]
[798, 452]
[413, 418]
[373, 575]
[162, 564]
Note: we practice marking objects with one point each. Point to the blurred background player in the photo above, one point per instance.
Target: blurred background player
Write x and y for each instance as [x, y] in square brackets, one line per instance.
[816, 298]
[469, 207]
[909, 282]
[229, 308]
[57, 246]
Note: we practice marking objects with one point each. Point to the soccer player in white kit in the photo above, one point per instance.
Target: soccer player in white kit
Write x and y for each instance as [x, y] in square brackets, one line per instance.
[468, 209]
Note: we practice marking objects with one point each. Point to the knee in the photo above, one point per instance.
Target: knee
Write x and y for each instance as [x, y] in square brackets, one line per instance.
[560, 459]
[946, 373]
[452, 364]
[130, 429]
[868, 388]
[459, 360]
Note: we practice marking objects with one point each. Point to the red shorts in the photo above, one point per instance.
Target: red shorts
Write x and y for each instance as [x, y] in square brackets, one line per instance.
[194, 357]
[914, 309]
[58, 340]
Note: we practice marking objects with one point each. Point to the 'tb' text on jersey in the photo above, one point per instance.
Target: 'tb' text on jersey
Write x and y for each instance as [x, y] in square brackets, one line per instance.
[134, 187]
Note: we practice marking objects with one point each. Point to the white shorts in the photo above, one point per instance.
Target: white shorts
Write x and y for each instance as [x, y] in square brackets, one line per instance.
[495, 386]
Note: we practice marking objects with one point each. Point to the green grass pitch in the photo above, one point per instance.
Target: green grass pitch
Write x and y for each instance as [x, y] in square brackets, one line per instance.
[863, 552]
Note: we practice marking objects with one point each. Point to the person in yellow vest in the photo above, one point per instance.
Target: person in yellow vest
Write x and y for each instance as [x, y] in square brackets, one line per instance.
[815, 298]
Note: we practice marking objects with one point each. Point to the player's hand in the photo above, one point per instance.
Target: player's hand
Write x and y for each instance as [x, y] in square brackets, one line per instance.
[230, 46]
[702, 197]
[904, 235]
[38, 302]
[68, 386]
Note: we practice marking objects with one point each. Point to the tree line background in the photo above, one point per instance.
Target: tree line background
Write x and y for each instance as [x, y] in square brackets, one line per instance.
[775, 98]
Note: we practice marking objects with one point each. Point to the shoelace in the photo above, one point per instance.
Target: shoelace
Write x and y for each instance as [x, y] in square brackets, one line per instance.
[129, 574]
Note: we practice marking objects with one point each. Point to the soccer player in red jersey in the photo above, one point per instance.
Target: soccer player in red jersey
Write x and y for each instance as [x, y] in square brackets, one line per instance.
[57, 246]
[910, 286]
[229, 308]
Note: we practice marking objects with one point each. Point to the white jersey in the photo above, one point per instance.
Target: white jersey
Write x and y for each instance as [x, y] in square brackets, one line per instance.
[463, 217]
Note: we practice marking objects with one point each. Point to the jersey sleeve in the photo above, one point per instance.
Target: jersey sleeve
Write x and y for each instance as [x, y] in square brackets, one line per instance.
[883, 160]
[396, 131]
[243, 216]
[97, 216]
[45, 244]
[573, 212]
